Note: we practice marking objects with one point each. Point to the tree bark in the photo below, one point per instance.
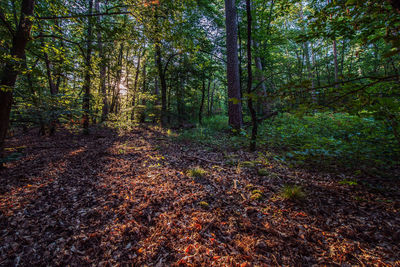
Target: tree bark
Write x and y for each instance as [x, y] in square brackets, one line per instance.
[203, 95]
[86, 83]
[103, 66]
[163, 82]
[212, 99]
[12, 69]
[335, 61]
[136, 85]
[253, 141]
[234, 104]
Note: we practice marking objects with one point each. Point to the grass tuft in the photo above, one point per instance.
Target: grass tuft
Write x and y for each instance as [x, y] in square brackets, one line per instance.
[293, 192]
[196, 172]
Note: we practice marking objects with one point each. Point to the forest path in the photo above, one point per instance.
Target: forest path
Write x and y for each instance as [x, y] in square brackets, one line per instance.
[112, 198]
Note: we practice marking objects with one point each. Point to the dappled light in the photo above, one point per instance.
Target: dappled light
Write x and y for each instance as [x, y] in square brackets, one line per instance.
[199, 133]
[133, 198]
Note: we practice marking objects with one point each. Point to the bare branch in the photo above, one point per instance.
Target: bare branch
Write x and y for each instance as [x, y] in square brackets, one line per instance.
[84, 15]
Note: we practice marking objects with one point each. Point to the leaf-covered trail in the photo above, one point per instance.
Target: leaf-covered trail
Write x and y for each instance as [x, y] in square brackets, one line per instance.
[109, 199]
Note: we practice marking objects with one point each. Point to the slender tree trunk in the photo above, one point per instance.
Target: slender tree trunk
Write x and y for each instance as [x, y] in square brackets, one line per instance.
[11, 68]
[212, 100]
[52, 86]
[142, 117]
[103, 66]
[53, 90]
[335, 61]
[116, 90]
[203, 94]
[163, 82]
[264, 105]
[136, 85]
[86, 83]
[342, 58]
[253, 141]
[234, 104]
[208, 101]
[179, 98]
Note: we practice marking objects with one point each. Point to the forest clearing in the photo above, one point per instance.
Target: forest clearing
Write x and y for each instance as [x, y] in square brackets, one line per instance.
[199, 133]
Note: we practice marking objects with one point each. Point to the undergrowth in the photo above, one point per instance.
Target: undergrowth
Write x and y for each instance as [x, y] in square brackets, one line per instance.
[327, 140]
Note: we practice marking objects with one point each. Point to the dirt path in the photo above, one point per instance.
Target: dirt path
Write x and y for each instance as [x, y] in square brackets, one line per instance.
[110, 199]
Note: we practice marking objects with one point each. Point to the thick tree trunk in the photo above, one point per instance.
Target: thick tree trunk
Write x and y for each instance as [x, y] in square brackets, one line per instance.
[234, 104]
[11, 69]
[87, 76]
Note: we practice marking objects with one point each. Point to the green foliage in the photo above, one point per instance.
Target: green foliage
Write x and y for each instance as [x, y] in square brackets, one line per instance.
[292, 192]
[331, 139]
[348, 182]
[248, 164]
[214, 131]
[196, 172]
[263, 172]
[10, 158]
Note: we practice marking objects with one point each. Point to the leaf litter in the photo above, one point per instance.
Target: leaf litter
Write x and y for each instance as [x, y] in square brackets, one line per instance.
[117, 199]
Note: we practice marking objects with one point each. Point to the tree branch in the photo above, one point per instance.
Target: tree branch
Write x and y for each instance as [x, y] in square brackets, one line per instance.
[85, 15]
[168, 61]
[62, 38]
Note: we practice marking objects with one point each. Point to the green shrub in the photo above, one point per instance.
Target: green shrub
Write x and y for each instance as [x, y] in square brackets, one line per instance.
[292, 192]
[331, 139]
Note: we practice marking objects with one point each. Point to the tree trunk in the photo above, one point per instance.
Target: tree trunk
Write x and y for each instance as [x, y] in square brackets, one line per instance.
[103, 66]
[203, 96]
[234, 104]
[135, 85]
[212, 100]
[335, 61]
[86, 83]
[253, 141]
[264, 106]
[179, 99]
[52, 86]
[116, 88]
[163, 82]
[11, 69]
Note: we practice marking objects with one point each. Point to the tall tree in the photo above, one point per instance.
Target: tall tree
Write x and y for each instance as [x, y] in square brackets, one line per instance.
[12, 68]
[86, 83]
[234, 104]
[250, 94]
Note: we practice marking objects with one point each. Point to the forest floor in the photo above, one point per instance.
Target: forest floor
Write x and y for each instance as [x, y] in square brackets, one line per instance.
[112, 198]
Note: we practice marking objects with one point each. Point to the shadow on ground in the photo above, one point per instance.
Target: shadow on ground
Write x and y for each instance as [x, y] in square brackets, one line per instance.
[110, 198]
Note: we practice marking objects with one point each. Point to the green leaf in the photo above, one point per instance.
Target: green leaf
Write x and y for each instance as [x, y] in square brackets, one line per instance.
[235, 101]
